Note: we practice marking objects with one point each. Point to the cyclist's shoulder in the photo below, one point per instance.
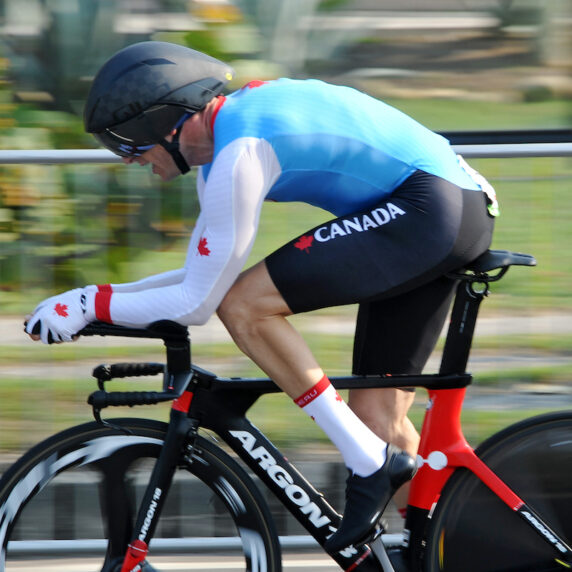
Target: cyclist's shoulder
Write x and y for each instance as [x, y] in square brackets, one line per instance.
[279, 110]
[258, 108]
[245, 157]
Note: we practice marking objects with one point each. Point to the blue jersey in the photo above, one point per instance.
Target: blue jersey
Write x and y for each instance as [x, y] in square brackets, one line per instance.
[285, 140]
[337, 148]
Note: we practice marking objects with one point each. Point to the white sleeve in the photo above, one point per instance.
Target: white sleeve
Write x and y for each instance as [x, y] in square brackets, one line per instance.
[155, 281]
[158, 280]
[231, 200]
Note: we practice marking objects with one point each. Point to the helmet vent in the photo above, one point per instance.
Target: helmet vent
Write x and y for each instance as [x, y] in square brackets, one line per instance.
[158, 62]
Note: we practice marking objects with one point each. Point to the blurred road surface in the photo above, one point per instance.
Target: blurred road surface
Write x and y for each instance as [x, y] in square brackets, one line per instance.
[12, 335]
[300, 562]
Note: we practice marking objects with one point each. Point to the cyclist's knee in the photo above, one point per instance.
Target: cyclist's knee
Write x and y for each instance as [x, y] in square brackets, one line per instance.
[234, 310]
[240, 311]
[252, 298]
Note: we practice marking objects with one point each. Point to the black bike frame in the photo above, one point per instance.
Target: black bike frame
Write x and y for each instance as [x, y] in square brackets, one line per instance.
[220, 405]
[201, 399]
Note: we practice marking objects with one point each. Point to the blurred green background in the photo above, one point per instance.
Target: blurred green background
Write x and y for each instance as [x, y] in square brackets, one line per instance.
[451, 64]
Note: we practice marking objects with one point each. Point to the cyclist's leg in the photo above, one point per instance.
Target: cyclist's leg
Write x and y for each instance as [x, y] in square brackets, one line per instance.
[403, 242]
[397, 333]
[397, 336]
[255, 313]
[276, 347]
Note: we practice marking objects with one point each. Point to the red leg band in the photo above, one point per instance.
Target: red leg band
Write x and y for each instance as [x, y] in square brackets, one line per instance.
[313, 392]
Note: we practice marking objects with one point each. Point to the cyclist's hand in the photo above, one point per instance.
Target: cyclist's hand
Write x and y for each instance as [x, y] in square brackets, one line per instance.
[59, 318]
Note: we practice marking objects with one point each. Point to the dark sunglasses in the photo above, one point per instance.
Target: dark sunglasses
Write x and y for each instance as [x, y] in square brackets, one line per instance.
[139, 134]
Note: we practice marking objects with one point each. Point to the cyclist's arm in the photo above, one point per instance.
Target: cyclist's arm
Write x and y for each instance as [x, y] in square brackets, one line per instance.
[155, 281]
[168, 278]
[231, 200]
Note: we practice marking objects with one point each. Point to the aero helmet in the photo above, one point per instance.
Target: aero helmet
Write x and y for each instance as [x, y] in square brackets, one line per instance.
[148, 89]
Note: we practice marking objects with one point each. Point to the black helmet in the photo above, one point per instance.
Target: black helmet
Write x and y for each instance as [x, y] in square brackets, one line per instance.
[146, 90]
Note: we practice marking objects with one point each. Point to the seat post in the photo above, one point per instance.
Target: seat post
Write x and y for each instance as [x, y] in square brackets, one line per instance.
[462, 327]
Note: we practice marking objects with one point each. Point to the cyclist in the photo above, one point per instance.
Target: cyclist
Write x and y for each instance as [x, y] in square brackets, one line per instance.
[407, 210]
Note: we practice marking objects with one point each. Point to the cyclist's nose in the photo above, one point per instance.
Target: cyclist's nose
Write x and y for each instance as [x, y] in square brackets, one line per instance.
[130, 160]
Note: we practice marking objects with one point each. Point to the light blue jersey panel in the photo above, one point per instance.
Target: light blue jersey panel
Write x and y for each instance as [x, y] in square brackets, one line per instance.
[338, 148]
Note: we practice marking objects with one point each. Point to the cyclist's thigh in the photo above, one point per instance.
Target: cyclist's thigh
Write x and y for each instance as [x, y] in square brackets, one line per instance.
[397, 332]
[397, 335]
[253, 291]
[394, 246]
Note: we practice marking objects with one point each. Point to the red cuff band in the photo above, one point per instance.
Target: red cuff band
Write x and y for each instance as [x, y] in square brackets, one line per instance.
[102, 301]
[313, 392]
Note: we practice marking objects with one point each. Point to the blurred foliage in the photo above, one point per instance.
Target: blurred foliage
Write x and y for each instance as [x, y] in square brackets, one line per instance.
[68, 225]
[53, 219]
[58, 223]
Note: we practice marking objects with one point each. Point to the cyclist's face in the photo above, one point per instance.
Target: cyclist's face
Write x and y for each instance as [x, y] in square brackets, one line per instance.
[162, 163]
[195, 143]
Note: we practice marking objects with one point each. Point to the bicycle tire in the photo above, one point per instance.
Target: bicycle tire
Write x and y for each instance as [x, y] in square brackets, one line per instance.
[90, 473]
[474, 531]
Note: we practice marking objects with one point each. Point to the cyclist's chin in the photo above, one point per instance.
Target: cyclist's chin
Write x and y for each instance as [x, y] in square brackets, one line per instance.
[166, 174]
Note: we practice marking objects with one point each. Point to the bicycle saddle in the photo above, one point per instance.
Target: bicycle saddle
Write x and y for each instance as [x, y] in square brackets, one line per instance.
[494, 259]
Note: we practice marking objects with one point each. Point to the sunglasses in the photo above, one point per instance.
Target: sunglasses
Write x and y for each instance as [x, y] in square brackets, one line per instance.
[139, 134]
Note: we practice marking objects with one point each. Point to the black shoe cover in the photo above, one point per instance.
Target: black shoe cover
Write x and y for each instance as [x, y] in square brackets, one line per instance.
[367, 497]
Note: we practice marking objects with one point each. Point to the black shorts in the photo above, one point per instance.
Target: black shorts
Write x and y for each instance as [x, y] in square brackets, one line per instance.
[391, 259]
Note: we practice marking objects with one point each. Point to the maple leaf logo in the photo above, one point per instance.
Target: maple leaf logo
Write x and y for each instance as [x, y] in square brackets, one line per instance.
[61, 310]
[304, 243]
[202, 248]
[338, 397]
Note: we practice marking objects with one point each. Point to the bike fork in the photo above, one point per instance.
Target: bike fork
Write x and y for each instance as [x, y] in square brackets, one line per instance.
[157, 489]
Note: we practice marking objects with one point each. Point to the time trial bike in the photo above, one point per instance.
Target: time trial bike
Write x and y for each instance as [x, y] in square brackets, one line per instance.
[506, 506]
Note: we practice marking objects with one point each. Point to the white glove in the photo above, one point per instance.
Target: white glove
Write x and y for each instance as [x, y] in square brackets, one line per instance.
[59, 318]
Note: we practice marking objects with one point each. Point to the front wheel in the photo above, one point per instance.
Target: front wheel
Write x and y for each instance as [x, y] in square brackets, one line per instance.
[474, 531]
[73, 500]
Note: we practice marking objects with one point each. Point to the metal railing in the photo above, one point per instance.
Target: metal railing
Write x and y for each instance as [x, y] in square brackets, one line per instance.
[479, 150]
[39, 548]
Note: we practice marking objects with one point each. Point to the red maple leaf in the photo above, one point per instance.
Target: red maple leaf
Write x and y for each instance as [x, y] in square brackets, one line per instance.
[202, 248]
[304, 243]
[338, 397]
[61, 310]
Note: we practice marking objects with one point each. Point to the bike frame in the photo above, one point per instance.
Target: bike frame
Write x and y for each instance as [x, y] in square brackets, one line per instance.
[443, 447]
[220, 404]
